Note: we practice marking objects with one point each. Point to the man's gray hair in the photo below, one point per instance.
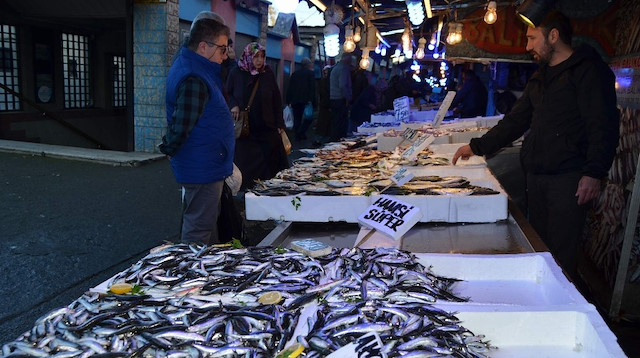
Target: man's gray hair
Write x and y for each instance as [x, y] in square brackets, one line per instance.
[208, 15]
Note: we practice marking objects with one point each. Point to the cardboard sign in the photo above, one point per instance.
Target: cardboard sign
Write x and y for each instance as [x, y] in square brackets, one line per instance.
[368, 346]
[390, 216]
[418, 146]
[409, 134]
[401, 108]
[444, 107]
[401, 176]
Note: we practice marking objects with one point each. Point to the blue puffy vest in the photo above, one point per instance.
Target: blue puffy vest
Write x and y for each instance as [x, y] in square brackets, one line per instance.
[207, 154]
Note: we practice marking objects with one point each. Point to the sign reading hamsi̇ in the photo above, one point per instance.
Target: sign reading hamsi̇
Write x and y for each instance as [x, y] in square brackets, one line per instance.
[390, 216]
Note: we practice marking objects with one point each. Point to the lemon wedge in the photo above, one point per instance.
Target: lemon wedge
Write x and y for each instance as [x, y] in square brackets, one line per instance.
[121, 288]
[292, 351]
[270, 298]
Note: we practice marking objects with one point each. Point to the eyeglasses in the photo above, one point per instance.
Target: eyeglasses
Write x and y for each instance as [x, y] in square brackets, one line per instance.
[223, 48]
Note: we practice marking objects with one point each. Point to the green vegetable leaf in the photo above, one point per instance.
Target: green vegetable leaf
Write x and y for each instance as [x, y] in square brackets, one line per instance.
[137, 290]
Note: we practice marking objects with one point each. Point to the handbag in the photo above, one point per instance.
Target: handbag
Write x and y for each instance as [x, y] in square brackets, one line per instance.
[286, 143]
[241, 125]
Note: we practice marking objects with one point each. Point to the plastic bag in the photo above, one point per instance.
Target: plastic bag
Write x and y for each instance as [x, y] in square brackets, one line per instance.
[287, 113]
[308, 112]
[234, 181]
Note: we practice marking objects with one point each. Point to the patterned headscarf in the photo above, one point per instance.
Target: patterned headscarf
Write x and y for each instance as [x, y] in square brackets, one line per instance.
[246, 61]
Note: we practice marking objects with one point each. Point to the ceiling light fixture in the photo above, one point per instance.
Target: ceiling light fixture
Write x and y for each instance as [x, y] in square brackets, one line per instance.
[531, 12]
[491, 15]
[331, 40]
[415, 11]
[357, 36]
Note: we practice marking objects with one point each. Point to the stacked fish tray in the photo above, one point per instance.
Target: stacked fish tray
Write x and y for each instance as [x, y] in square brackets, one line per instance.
[339, 185]
[204, 301]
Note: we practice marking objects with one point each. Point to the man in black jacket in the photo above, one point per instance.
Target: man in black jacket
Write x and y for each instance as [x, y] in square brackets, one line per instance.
[569, 110]
[302, 92]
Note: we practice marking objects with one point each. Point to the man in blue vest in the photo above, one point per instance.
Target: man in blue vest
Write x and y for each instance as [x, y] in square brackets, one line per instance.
[199, 140]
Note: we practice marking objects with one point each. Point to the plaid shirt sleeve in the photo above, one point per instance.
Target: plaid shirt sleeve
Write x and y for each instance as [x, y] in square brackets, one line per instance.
[193, 95]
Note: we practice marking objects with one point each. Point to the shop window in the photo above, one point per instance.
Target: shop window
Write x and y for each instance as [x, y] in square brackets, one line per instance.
[9, 68]
[119, 83]
[76, 71]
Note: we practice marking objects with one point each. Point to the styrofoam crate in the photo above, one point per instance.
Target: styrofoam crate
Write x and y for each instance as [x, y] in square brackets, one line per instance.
[541, 332]
[434, 208]
[510, 279]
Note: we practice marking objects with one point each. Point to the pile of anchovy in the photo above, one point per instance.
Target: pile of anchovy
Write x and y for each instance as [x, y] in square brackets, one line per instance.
[202, 301]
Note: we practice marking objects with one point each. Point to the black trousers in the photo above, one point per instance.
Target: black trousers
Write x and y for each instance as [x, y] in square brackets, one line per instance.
[556, 216]
[339, 119]
[300, 125]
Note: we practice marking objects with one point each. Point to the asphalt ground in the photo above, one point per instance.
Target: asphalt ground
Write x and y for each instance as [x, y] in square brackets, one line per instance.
[68, 225]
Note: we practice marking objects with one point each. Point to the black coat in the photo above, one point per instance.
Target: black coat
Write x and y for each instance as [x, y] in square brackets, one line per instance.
[571, 117]
[302, 87]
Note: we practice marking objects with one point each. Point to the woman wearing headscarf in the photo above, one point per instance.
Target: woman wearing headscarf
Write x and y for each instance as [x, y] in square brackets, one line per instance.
[261, 154]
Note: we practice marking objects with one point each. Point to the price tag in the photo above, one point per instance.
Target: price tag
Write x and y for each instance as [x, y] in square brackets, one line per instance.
[401, 108]
[444, 107]
[390, 216]
[401, 176]
[418, 146]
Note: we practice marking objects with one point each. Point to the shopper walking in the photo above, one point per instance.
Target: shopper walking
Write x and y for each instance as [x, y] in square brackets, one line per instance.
[569, 110]
[260, 155]
[341, 95]
[199, 138]
[323, 124]
[300, 94]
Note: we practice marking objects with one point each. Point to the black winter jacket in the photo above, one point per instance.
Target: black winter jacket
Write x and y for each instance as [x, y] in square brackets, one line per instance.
[573, 121]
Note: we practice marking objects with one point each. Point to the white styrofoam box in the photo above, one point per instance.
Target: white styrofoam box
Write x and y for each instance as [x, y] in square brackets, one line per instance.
[489, 121]
[434, 208]
[311, 209]
[533, 279]
[541, 332]
[379, 129]
[465, 137]
[383, 118]
[388, 143]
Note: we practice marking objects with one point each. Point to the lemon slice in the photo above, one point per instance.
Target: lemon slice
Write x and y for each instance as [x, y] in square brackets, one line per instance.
[121, 288]
[292, 351]
[270, 298]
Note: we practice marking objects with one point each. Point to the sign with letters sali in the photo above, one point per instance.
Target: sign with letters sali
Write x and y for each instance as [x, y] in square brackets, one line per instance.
[390, 216]
[401, 108]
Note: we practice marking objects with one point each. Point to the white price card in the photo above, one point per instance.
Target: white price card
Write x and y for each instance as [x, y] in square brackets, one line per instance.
[401, 108]
[418, 146]
[390, 216]
[401, 176]
[444, 107]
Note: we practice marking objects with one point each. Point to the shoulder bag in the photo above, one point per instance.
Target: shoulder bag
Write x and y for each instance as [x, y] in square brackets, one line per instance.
[241, 125]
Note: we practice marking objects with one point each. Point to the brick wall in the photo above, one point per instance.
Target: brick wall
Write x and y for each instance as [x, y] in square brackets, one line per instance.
[155, 41]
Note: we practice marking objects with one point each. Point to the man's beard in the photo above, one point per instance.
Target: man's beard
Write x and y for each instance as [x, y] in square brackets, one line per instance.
[544, 56]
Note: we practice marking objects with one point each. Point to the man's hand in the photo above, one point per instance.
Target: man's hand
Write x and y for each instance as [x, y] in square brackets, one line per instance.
[235, 111]
[463, 152]
[588, 189]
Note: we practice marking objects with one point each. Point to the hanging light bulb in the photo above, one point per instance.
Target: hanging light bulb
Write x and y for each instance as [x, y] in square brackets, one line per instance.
[349, 45]
[416, 12]
[331, 40]
[383, 51]
[364, 62]
[357, 36]
[432, 42]
[492, 15]
[407, 48]
[459, 32]
[451, 33]
[420, 51]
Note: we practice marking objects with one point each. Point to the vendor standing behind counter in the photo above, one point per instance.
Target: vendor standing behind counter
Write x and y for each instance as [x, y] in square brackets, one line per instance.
[471, 100]
[569, 110]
